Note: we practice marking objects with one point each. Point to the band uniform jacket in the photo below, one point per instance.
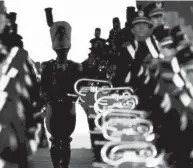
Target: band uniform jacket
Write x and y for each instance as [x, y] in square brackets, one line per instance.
[57, 82]
[27, 72]
[13, 120]
[21, 63]
[16, 109]
[136, 56]
[18, 63]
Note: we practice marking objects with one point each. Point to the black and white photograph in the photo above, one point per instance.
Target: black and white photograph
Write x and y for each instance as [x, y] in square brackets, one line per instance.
[96, 84]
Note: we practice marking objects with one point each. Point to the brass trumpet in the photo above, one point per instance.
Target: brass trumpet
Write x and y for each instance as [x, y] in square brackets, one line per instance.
[84, 85]
[112, 91]
[126, 129]
[115, 102]
[118, 114]
[142, 153]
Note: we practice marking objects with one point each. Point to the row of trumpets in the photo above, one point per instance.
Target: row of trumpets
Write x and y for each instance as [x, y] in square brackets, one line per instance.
[128, 134]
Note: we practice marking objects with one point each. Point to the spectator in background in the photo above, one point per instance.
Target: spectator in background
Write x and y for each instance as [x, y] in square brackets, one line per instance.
[113, 33]
[155, 12]
[97, 44]
[10, 37]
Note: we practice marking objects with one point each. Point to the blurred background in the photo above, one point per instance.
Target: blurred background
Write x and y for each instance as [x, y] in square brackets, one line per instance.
[84, 16]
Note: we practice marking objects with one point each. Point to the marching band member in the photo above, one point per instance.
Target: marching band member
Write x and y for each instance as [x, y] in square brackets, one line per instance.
[140, 53]
[113, 33]
[146, 52]
[184, 95]
[137, 54]
[17, 79]
[57, 81]
[24, 64]
[97, 40]
[97, 44]
[7, 132]
[172, 83]
[11, 17]
[155, 12]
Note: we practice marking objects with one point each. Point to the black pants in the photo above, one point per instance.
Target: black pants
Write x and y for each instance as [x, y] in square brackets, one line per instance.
[60, 122]
[94, 137]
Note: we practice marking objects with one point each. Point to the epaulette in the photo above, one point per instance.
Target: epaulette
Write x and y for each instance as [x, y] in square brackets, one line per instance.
[91, 41]
[77, 66]
[49, 61]
[45, 64]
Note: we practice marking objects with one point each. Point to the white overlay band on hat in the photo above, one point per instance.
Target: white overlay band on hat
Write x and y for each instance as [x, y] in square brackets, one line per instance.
[141, 21]
[166, 42]
[160, 12]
